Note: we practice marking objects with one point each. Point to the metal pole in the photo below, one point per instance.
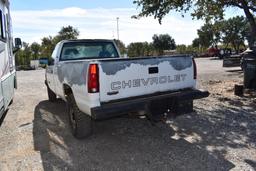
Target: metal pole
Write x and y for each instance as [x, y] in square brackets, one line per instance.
[117, 21]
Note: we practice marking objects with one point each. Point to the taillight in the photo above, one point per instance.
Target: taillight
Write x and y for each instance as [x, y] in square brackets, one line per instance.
[93, 78]
[195, 68]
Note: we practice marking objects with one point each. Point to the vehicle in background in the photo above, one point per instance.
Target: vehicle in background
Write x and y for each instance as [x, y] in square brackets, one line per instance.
[213, 52]
[224, 53]
[98, 84]
[7, 62]
[229, 59]
[232, 61]
[43, 61]
[237, 60]
[34, 64]
[248, 53]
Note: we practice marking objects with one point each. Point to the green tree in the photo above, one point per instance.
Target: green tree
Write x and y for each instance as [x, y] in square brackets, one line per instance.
[234, 32]
[209, 35]
[45, 49]
[138, 49]
[149, 49]
[24, 55]
[200, 9]
[196, 43]
[35, 50]
[190, 48]
[48, 43]
[181, 48]
[121, 46]
[27, 53]
[163, 42]
[19, 57]
[66, 33]
[47, 46]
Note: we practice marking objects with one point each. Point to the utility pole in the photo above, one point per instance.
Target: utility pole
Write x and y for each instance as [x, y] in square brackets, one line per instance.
[117, 22]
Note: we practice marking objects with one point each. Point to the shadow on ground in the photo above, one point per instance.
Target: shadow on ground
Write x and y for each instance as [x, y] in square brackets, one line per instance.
[215, 58]
[221, 127]
[126, 143]
[251, 163]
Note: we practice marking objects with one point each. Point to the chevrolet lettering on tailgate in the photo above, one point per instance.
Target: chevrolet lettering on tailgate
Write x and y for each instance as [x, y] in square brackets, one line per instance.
[147, 82]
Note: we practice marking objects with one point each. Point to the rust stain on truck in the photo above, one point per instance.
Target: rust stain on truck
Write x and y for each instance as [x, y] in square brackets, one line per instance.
[110, 69]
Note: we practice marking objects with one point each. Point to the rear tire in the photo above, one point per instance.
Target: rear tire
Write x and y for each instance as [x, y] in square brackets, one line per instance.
[81, 123]
[51, 95]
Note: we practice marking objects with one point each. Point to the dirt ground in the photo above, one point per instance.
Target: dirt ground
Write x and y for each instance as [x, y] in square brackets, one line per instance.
[219, 135]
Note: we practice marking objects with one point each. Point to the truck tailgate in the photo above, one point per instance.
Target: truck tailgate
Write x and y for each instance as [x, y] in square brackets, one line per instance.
[125, 78]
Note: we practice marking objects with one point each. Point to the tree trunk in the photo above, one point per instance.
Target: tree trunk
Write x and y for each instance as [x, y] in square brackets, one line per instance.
[226, 45]
[234, 46]
[238, 48]
[252, 22]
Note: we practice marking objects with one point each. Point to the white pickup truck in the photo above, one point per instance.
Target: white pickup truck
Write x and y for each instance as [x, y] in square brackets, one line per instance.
[98, 84]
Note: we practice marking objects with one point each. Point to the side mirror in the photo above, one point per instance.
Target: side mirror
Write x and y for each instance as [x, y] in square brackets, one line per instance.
[18, 43]
[50, 61]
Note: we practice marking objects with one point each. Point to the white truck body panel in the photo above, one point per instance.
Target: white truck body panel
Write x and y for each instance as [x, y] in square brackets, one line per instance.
[134, 78]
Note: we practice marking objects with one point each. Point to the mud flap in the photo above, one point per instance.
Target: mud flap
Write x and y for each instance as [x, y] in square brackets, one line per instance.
[183, 107]
[155, 111]
[160, 111]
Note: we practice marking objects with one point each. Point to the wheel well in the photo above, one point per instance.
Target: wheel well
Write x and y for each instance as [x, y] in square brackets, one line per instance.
[67, 89]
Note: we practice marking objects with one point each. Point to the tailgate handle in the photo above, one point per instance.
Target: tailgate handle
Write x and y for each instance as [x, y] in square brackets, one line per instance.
[112, 93]
[153, 70]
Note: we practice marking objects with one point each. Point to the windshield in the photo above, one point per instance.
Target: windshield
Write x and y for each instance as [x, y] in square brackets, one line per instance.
[84, 50]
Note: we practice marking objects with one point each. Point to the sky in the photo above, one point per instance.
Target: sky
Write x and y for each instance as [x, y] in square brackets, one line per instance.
[34, 19]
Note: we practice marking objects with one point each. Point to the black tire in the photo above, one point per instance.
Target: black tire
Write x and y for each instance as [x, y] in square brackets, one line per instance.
[81, 123]
[51, 95]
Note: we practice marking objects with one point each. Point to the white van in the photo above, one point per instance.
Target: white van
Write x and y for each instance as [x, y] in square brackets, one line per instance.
[7, 61]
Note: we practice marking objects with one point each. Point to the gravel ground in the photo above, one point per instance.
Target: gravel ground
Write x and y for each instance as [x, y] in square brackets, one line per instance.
[219, 135]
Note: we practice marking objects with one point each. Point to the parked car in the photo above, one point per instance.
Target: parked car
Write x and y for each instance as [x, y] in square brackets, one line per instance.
[98, 84]
[225, 53]
[249, 53]
[213, 52]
